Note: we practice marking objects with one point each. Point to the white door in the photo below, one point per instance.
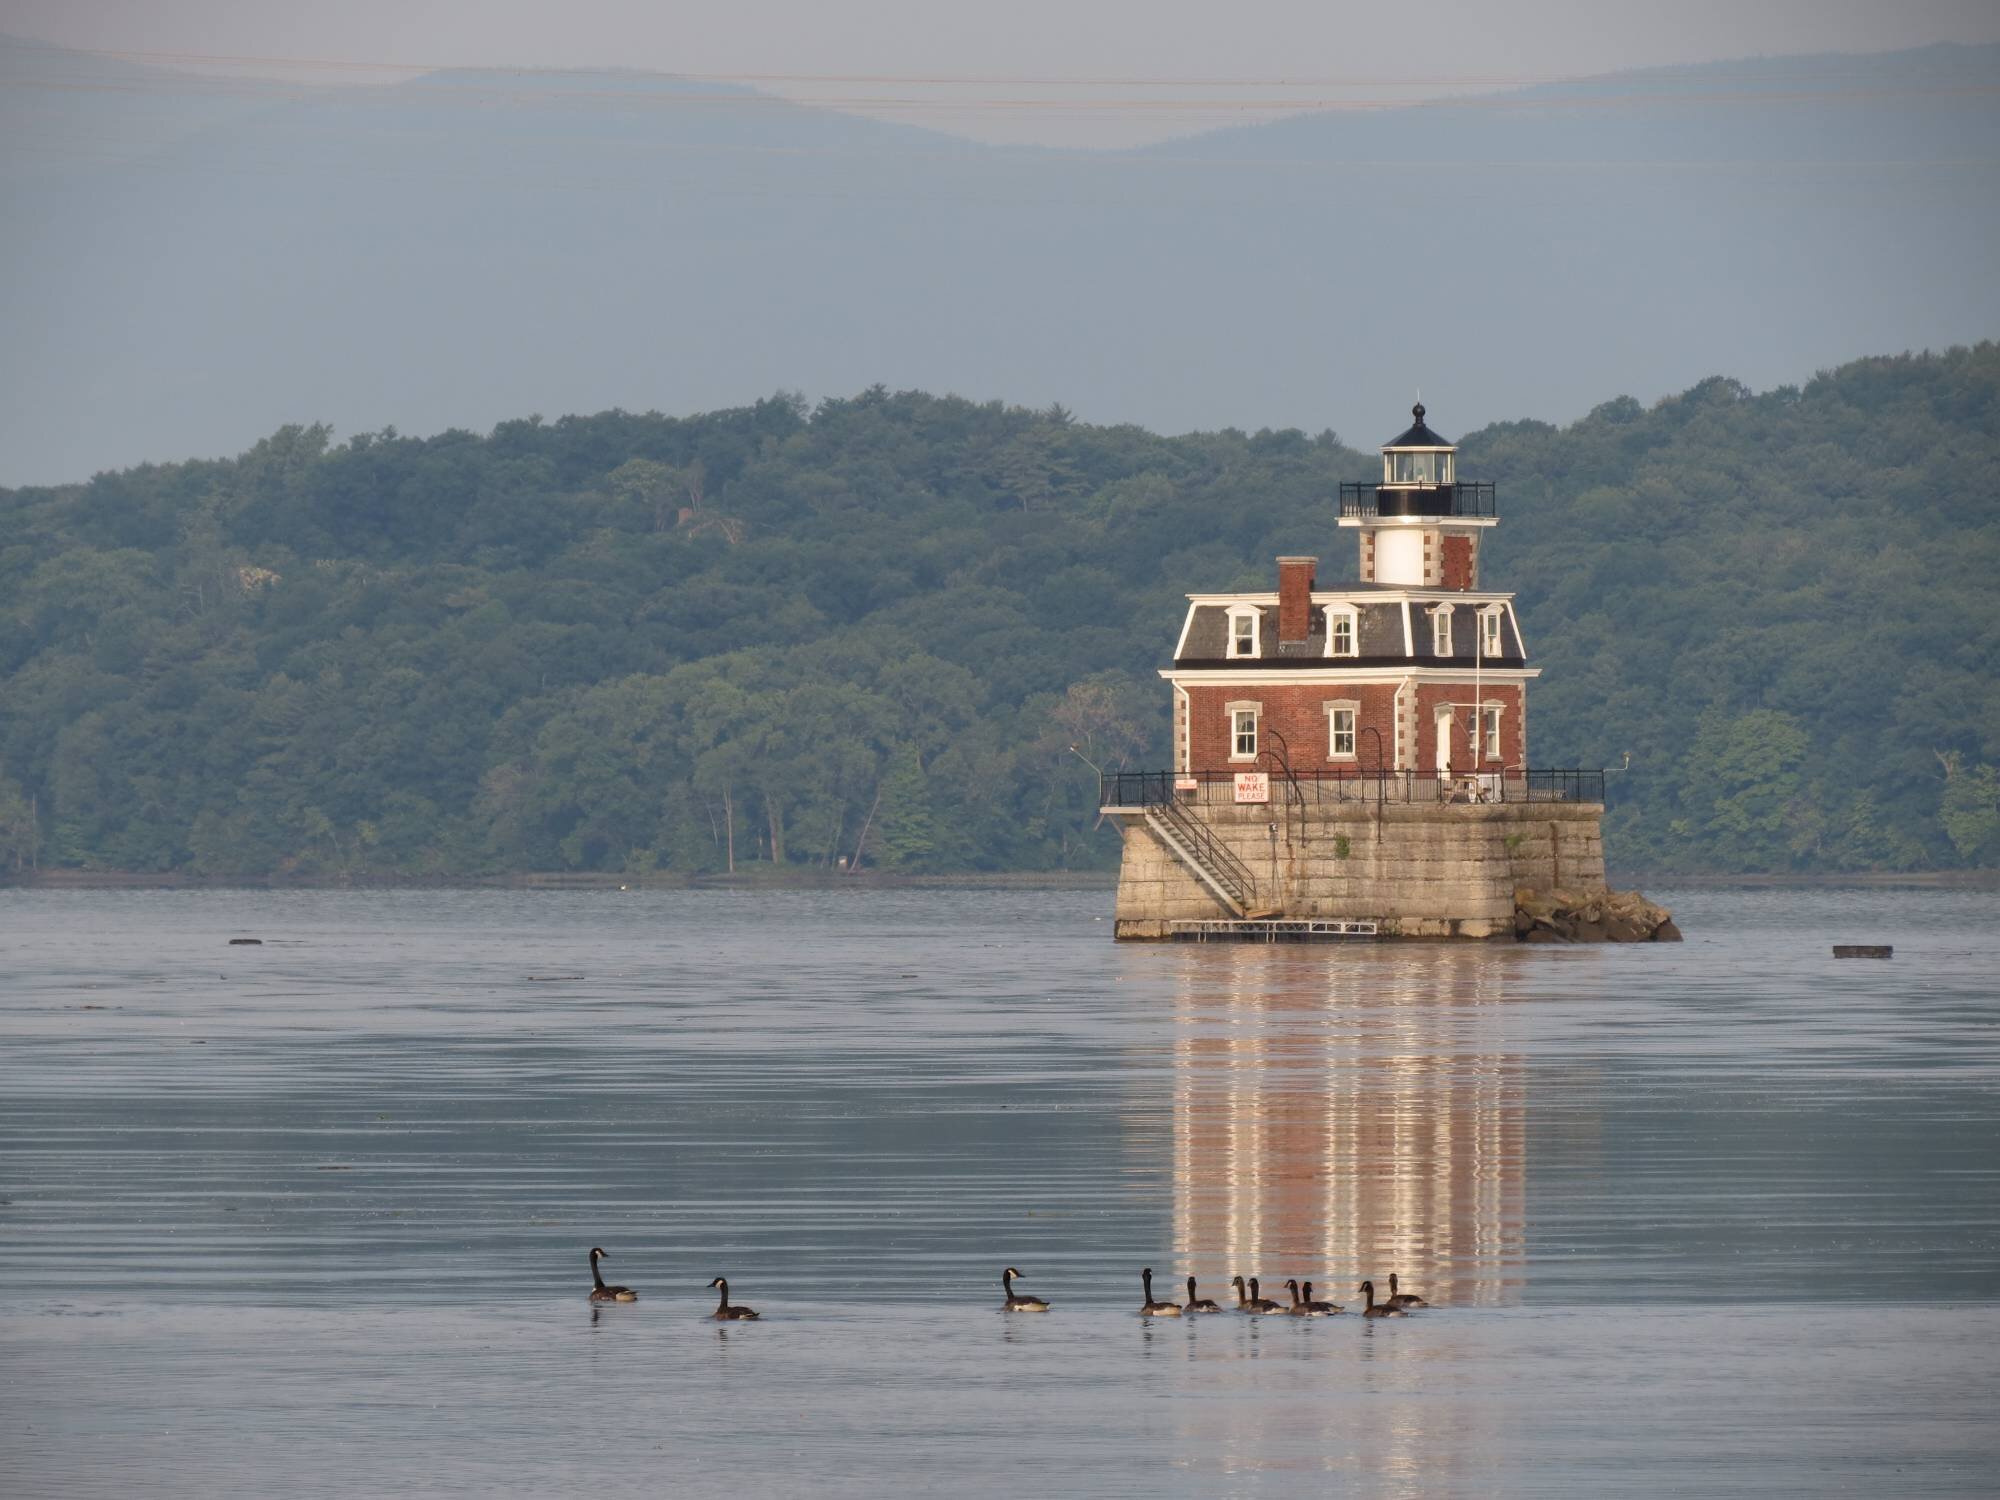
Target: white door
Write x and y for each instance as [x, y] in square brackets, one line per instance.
[1443, 724]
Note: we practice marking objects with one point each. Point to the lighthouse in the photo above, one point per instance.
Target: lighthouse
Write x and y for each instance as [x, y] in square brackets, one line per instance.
[1352, 759]
[1413, 669]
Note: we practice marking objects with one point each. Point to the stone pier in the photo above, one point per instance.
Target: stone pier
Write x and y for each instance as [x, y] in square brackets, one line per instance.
[1417, 870]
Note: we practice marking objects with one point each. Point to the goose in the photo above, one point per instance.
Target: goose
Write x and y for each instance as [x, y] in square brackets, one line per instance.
[1151, 1309]
[724, 1313]
[1019, 1304]
[1252, 1303]
[1199, 1304]
[1403, 1299]
[1303, 1305]
[599, 1292]
[1373, 1310]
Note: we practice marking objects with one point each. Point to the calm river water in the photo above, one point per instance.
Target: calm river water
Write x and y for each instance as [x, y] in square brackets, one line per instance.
[310, 1218]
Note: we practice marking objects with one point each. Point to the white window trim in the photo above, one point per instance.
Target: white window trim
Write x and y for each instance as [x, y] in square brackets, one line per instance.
[1337, 705]
[1492, 638]
[1256, 712]
[1256, 618]
[1498, 740]
[1441, 641]
[1353, 618]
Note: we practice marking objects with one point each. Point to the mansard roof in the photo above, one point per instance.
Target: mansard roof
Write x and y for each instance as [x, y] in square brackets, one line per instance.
[1378, 628]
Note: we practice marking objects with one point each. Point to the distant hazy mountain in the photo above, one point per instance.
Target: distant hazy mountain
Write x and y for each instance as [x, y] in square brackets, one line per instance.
[190, 264]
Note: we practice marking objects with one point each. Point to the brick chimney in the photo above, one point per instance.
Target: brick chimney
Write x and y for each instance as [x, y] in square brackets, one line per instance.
[1295, 586]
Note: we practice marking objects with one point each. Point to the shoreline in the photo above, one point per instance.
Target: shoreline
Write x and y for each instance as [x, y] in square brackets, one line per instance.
[1870, 879]
[762, 880]
[808, 879]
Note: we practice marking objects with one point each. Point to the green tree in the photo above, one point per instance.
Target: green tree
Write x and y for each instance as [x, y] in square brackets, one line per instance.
[1970, 810]
[1743, 786]
[905, 828]
[20, 838]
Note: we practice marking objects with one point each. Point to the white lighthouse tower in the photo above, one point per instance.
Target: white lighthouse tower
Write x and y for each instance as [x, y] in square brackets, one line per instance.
[1420, 526]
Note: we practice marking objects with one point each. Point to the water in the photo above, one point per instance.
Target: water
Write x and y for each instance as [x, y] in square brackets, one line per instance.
[310, 1218]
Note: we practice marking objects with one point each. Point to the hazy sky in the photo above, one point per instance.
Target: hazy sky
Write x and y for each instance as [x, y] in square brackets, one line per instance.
[1061, 71]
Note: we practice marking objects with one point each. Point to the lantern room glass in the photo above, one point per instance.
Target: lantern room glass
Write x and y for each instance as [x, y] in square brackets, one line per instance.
[1402, 466]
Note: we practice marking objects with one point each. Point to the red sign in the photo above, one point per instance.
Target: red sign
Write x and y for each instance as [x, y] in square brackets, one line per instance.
[1253, 786]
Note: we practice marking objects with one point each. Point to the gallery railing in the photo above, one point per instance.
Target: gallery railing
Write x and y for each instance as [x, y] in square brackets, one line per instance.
[1466, 498]
[1141, 789]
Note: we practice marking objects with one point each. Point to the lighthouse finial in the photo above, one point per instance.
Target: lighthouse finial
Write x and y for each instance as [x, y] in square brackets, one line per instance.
[1417, 411]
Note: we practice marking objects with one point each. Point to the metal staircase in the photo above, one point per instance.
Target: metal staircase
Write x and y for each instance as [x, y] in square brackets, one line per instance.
[1220, 870]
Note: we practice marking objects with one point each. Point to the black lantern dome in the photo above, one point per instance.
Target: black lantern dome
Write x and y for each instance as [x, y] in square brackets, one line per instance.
[1418, 469]
[1418, 436]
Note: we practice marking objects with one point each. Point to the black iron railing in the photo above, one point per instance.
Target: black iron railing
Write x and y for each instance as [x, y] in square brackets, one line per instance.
[1141, 789]
[1563, 786]
[1368, 501]
[1134, 788]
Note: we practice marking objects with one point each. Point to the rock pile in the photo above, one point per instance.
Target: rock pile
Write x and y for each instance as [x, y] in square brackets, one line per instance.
[1560, 916]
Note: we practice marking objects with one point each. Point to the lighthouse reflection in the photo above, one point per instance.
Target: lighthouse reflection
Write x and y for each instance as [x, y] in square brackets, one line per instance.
[1345, 1114]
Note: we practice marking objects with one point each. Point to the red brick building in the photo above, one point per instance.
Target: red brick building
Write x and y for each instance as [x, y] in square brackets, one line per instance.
[1414, 668]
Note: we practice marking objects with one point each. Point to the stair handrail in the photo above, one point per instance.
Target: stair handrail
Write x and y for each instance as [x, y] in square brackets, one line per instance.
[1223, 863]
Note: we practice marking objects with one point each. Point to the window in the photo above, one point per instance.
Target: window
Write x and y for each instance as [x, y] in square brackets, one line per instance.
[1340, 632]
[1490, 733]
[1489, 633]
[1243, 632]
[1243, 730]
[1441, 630]
[1341, 730]
[1244, 741]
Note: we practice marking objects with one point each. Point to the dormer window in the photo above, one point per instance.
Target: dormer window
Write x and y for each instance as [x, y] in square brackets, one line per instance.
[1441, 630]
[1489, 633]
[1243, 632]
[1341, 634]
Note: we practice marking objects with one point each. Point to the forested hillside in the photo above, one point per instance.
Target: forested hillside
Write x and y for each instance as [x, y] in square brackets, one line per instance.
[628, 642]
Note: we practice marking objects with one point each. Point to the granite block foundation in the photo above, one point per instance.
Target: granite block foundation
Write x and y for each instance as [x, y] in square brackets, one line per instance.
[1416, 870]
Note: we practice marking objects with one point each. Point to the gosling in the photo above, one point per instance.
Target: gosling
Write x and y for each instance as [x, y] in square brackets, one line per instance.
[1319, 1309]
[1261, 1306]
[1375, 1310]
[1403, 1299]
[1199, 1304]
[1303, 1305]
